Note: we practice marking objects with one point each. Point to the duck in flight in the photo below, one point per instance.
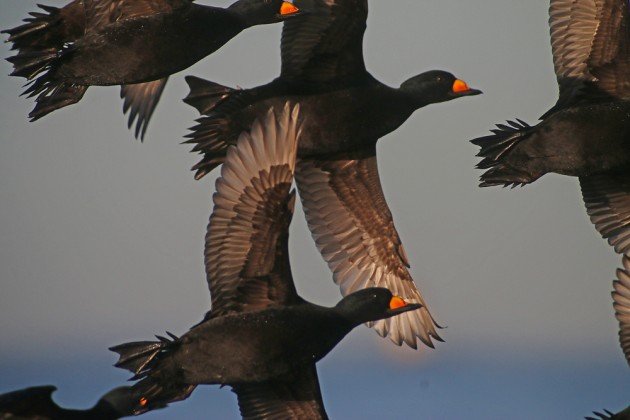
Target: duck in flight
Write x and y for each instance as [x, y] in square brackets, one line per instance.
[587, 133]
[137, 44]
[261, 338]
[346, 111]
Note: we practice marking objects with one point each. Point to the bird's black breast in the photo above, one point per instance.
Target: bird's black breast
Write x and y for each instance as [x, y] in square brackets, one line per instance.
[258, 346]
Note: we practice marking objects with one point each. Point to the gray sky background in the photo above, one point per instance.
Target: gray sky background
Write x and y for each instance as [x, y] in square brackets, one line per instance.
[101, 236]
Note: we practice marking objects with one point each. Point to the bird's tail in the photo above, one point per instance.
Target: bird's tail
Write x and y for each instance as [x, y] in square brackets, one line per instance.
[495, 153]
[42, 29]
[41, 42]
[213, 132]
[156, 387]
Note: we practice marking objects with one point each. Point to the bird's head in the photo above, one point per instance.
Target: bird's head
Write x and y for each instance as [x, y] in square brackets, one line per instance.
[436, 86]
[373, 304]
[261, 12]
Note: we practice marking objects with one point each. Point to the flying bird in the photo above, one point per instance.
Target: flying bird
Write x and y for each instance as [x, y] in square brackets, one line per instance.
[260, 337]
[137, 44]
[346, 111]
[36, 403]
[587, 133]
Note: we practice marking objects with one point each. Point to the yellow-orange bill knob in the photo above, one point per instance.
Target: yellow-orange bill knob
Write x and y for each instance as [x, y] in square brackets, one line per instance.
[397, 302]
[460, 86]
[288, 8]
[143, 401]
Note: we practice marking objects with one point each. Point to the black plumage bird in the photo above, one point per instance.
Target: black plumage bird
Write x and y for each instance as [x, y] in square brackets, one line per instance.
[133, 43]
[587, 133]
[346, 112]
[260, 337]
[36, 403]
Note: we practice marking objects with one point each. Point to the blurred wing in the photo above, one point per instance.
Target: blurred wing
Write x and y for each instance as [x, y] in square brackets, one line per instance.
[100, 13]
[621, 298]
[590, 40]
[297, 399]
[35, 402]
[247, 262]
[140, 100]
[607, 199]
[327, 45]
[354, 231]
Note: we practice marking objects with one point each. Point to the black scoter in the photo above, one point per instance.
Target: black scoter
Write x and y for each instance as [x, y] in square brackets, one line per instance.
[587, 133]
[36, 403]
[346, 111]
[260, 337]
[133, 43]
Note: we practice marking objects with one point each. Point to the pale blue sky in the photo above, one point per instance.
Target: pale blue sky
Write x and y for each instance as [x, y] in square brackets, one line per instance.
[101, 236]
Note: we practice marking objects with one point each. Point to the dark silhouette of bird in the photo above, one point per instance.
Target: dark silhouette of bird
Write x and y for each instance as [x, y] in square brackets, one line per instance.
[608, 415]
[621, 298]
[346, 111]
[587, 133]
[260, 337]
[36, 404]
[133, 43]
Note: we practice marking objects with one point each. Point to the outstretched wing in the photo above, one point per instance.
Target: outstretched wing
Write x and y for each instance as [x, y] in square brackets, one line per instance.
[247, 262]
[354, 231]
[327, 45]
[607, 200]
[140, 101]
[30, 403]
[621, 298]
[591, 48]
[299, 398]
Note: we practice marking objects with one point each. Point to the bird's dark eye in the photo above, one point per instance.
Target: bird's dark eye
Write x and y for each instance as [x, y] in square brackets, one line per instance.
[439, 79]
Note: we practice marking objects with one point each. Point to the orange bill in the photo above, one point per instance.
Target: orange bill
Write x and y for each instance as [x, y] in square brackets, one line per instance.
[460, 86]
[288, 8]
[397, 302]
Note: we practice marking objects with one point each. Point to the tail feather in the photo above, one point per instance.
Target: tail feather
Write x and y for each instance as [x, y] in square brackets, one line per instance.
[36, 32]
[158, 385]
[495, 149]
[53, 97]
[204, 95]
[140, 357]
[213, 132]
[29, 64]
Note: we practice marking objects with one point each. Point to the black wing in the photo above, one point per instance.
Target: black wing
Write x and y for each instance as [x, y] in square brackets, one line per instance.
[247, 262]
[353, 228]
[327, 45]
[591, 49]
[299, 398]
[140, 100]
